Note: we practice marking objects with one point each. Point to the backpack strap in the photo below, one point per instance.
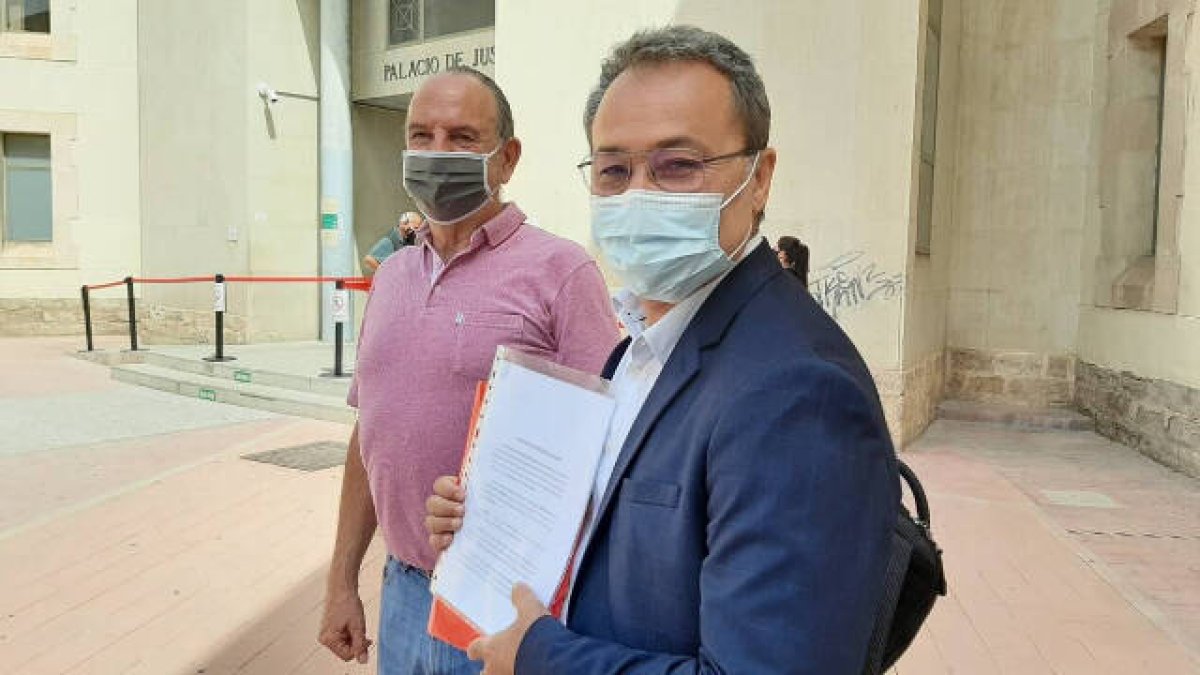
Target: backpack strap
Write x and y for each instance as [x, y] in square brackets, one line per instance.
[897, 570]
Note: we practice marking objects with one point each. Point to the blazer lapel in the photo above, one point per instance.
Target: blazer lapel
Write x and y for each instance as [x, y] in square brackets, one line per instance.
[706, 329]
[679, 370]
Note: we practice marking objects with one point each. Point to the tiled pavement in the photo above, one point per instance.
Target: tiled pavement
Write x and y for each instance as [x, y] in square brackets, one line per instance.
[163, 552]
[1033, 589]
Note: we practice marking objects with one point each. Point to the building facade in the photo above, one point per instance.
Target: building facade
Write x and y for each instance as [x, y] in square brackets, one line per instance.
[68, 159]
[995, 192]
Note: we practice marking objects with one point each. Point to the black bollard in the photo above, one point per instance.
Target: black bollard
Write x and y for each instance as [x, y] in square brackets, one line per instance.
[219, 320]
[132, 314]
[87, 316]
[337, 337]
[339, 302]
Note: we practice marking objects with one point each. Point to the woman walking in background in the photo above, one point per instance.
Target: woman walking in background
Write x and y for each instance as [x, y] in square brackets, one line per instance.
[794, 257]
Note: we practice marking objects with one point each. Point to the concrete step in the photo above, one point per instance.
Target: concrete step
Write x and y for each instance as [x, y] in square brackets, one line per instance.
[240, 372]
[1016, 417]
[246, 394]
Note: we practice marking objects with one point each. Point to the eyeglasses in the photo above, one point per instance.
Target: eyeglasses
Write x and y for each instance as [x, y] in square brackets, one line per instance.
[672, 169]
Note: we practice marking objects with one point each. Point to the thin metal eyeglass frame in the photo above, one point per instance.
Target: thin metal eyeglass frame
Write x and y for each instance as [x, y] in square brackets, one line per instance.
[584, 167]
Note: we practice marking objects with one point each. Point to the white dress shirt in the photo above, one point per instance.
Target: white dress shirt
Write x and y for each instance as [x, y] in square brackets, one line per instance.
[638, 370]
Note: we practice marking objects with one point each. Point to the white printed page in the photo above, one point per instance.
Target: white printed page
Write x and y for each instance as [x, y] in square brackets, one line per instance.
[528, 485]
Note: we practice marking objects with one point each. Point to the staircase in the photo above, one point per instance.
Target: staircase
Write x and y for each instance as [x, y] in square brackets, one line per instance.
[256, 380]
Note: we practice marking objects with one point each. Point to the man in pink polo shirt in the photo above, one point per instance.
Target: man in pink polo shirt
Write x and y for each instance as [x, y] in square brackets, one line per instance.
[480, 275]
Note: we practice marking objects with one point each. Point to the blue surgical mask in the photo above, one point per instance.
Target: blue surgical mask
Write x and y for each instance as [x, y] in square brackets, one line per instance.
[664, 245]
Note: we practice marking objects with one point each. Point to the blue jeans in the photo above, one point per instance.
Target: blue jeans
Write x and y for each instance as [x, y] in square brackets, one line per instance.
[405, 647]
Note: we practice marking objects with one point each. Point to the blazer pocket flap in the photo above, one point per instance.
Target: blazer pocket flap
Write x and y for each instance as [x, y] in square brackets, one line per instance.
[652, 492]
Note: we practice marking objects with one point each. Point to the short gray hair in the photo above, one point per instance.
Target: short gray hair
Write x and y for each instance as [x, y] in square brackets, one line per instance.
[688, 43]
[505, 127]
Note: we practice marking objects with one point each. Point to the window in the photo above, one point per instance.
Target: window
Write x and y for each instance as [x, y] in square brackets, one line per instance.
[929, 116]
[29, 16]
[420, 20]
[1157, 48]
[27, 212]
[1142, 160]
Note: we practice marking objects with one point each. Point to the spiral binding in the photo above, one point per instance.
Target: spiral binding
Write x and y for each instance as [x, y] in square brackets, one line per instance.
[499, 365]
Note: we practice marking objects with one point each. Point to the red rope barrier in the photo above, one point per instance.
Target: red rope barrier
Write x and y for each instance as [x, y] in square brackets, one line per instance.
[97, 287]
[283, 279]
[353, 283]
[171, 280]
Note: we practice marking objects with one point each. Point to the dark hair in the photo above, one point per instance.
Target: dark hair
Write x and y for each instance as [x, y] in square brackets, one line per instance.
[674, 44]
[797, 255]
[505, 127]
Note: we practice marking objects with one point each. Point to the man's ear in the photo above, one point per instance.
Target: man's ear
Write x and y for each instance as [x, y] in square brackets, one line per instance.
[762, 179]
[510, 154]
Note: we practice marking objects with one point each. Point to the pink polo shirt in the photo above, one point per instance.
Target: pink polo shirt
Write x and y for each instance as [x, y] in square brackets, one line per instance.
[429, 334]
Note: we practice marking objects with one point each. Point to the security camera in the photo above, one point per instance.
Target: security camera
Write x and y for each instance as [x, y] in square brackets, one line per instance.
[268, 94]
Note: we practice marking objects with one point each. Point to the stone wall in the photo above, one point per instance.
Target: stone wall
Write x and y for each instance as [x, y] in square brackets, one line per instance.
[924, 386]
[1158, 418]
[890, 385]
[910, 396]
[161, 325]
[156, 324]
[1011, 378]
[24, 317]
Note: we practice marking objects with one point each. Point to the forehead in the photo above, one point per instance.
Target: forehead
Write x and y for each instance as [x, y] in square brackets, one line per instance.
[453, 100]
[670, 104]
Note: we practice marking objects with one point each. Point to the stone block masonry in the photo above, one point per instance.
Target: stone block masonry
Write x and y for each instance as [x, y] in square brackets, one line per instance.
[1160, 419]
[40, 317]
[1012, 378]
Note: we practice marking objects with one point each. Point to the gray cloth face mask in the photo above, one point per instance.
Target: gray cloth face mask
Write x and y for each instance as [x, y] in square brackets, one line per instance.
[447, 187]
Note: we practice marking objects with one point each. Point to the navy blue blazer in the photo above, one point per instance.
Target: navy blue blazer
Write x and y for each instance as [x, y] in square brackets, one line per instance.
[748, 521]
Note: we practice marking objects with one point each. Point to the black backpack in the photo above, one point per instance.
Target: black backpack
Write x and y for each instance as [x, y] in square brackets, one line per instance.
[915, 579]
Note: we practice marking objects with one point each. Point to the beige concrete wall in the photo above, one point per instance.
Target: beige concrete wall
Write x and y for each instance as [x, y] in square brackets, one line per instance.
[841, 78]
[230, 183]
[927, 291]
[194, 92]
[1025, 165]
[281, 155]
[79, 85]
[1149, 344]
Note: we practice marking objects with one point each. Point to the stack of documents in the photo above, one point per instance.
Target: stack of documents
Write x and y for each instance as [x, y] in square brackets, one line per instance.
[535, 442]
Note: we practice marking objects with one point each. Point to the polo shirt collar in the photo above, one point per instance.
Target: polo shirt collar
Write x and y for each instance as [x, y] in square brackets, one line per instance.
[494, 232]
[503, 226]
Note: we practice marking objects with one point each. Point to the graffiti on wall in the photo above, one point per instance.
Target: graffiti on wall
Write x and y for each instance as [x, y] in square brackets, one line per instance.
[852, 280]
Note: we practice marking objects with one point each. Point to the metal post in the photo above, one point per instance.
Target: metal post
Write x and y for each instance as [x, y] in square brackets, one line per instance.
[132, 314]
[87, 316]
[337, 336]
[336, 153]
[339, 311]
[219, 320]
[220, 336]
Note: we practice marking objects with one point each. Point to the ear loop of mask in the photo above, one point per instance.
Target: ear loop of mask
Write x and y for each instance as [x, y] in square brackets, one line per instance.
[738, 252]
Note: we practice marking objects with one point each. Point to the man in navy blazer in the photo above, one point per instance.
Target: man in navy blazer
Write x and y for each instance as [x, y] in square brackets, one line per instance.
[742, 517]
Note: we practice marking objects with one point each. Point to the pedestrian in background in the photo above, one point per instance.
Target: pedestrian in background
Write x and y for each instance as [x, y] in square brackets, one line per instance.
[403, 234]
[793, 255]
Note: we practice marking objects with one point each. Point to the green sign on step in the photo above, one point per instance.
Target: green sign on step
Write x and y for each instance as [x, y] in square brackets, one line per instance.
[208, 394]
[241, 375]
